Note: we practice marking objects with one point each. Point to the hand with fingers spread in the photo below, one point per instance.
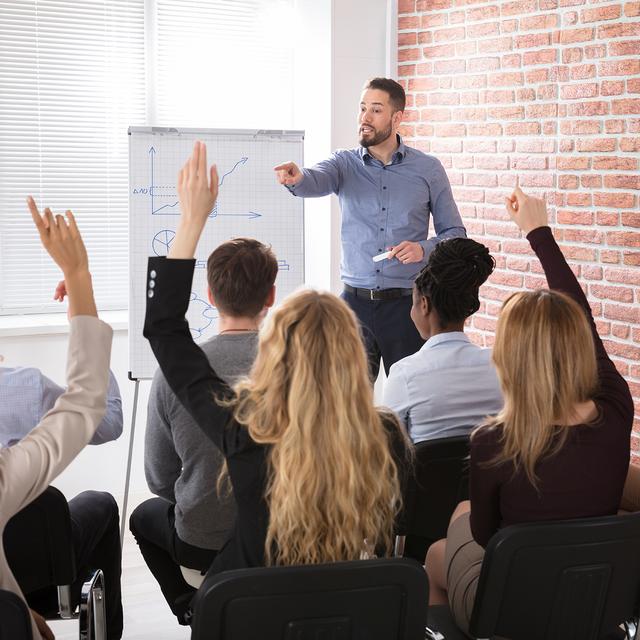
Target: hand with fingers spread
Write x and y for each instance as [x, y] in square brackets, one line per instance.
[407, 252]
[288, 173]
[61, 239]
[527, 212]
[63, 242]
[197, 191]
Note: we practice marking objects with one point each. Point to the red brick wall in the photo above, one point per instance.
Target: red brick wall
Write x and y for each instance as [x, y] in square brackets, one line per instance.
[548, 90]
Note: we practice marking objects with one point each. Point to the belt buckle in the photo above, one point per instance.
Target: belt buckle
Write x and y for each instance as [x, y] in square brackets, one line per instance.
[371, 294]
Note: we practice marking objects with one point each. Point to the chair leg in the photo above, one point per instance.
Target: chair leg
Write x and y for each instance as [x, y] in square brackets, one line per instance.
[92, 609]
[632, 629]
[65, 607]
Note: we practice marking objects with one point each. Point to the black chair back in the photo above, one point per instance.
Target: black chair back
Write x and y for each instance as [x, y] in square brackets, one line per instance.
[568, 580]
[15, 622]
[38, 543]
[441, 481]
[367, 599]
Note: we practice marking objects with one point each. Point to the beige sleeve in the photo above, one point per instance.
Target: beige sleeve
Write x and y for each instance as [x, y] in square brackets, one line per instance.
[28, 467]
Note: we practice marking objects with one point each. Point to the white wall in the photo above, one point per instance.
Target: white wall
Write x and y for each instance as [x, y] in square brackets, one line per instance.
[342, 44]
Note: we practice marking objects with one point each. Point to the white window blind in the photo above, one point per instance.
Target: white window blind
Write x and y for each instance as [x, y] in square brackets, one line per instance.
[75, 74]
[72, 79]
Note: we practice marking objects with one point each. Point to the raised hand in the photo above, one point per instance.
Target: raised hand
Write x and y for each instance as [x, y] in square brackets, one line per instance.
[61, 239]
[60, 292]
[288, 173]
[407, 251]
[197, 191]
[527, 212]
[63, 242]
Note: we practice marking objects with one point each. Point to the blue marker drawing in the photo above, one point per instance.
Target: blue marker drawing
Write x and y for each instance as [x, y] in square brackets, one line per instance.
[235, 166]
[161, 242]
[200, 315]
[283, 265]
[170, 209]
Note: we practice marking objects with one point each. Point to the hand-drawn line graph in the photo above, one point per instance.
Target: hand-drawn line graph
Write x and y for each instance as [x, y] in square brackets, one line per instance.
[171, 209]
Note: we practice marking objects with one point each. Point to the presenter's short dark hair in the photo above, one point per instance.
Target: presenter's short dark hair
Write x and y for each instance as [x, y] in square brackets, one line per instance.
[452, 276]
[240, 274]
[395, 90]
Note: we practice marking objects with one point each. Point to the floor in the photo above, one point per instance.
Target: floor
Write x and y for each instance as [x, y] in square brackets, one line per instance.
[146, 614]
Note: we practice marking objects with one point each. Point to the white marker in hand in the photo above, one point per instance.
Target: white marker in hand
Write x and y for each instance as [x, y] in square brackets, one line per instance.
[381, 256]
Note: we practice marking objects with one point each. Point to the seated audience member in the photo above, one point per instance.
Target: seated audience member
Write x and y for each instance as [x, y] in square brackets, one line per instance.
[559, 449]
[191, 520]
[450, 385]
[27, 467]
[315, 467]
[26, 394]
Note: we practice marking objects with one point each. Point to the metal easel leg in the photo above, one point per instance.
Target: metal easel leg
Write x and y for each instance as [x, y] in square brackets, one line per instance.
[123, 516]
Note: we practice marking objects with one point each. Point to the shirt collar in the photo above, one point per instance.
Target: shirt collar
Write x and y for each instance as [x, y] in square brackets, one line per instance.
[397, 156]
[449, 336]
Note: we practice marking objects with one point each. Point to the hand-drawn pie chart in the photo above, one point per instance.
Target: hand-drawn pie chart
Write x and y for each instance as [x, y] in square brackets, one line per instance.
[161, 242]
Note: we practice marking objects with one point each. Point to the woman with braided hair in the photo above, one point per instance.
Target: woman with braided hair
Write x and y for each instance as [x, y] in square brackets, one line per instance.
[450, 385]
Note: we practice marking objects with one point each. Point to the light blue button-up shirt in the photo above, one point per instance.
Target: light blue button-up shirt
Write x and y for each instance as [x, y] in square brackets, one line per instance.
[446, 389]
[382, 205]
[26, 395]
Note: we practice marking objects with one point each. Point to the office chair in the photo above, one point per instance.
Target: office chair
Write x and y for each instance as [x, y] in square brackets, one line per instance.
[15, 622]
[440, 482]
[564, 580]
[373, 599]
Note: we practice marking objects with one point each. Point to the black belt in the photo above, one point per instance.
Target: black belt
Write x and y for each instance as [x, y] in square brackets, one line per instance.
[377, 294]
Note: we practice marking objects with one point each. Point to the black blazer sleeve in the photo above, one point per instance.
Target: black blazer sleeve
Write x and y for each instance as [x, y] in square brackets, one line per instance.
[183, 363]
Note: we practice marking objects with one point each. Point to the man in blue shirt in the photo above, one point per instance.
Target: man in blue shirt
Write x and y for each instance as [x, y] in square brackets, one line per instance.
[387, 193]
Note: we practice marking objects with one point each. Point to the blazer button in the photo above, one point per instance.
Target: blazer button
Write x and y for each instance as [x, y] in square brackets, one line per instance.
[152, 273]
[150, 293]
[152, 284]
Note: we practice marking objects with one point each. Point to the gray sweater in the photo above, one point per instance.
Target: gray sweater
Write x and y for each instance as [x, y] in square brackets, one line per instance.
[181, 464]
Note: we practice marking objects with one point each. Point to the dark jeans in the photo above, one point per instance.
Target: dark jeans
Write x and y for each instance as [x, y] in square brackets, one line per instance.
[96, 541]
[387, 329]
[153, 526]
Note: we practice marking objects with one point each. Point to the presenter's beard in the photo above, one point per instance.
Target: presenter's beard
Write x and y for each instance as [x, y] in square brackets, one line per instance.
[375, 138]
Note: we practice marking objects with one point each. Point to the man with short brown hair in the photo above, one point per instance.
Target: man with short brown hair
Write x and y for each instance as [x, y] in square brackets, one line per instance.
[188, 523]
[388, 192]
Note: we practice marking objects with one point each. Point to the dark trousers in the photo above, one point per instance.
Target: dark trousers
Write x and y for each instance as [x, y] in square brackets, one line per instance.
[95, 533]
[387, 329]
[153, 526]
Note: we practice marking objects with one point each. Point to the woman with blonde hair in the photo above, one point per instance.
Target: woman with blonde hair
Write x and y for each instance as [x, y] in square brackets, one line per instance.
[559, 448]
[314, 466]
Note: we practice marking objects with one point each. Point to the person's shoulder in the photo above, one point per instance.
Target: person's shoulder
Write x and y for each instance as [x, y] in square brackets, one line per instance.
[486, 436]
[20, 376]
[421, 156]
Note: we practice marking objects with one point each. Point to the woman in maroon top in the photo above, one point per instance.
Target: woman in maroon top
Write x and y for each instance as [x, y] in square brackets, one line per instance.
[560, 447]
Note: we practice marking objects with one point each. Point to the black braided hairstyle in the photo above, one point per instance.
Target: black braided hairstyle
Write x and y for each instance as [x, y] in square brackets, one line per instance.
[452, 276]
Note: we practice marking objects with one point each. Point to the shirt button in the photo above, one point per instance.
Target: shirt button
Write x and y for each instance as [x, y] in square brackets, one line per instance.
[384, 187]
[150, 293]
[381, 228]
[377, 270]
[384, 208]
[152, 273]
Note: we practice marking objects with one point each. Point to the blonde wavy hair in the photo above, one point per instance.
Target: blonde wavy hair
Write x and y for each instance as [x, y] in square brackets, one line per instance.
[332, 481]
[545, 360]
